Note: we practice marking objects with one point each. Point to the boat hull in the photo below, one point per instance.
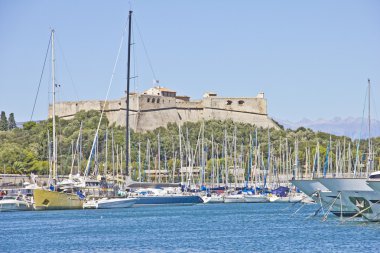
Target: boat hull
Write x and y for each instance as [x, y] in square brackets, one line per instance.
[309, 187]
[110, 203]
[287, 199]
[367, 203]
[234, 199]
[255, 199]
[374, 184]
[168, 200]
[52, 200]
[340, 190]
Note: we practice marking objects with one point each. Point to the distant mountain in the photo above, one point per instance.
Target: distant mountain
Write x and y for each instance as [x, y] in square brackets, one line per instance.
[352, 127]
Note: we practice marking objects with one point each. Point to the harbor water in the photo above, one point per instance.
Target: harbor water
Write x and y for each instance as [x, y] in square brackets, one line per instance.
[199, 228]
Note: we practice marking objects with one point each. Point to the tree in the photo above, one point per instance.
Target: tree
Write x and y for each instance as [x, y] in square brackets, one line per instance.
[3, 122]
[11, 121]
[29, 125]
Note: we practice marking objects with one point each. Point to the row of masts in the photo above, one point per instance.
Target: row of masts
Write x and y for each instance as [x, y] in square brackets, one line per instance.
[231, 162]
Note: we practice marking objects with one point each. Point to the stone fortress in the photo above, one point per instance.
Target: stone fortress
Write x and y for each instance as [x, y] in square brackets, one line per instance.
[158, 106]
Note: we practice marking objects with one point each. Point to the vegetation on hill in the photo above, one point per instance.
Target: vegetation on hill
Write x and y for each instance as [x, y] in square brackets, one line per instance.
[25, 150]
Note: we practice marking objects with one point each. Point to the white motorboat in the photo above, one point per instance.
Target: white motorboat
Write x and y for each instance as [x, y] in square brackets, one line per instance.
[368, 202]
[15, 203]
[107, 203]
[342, 192]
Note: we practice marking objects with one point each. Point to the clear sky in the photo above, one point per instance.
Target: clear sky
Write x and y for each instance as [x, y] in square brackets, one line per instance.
[311, 58]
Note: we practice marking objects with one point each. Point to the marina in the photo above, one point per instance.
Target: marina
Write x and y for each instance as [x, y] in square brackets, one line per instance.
[200, 145]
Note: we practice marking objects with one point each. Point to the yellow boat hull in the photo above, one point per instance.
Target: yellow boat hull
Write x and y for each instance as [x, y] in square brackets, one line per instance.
[52, 200]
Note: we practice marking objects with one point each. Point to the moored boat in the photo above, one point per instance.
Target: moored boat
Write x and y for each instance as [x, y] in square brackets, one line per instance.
[108, 203]
[55, 200]
[15, 203]
[339, 193]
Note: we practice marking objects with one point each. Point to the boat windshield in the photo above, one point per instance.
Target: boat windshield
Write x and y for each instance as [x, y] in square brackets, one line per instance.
[9, 197]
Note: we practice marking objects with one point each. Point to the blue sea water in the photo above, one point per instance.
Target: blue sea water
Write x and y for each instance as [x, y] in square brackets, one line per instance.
[200, 228]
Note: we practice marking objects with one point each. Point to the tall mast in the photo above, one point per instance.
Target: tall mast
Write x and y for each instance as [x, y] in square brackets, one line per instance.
[127, 95]
[53, 84]
[225, 157]
[369, 129]
[139, 161]
[180, 152]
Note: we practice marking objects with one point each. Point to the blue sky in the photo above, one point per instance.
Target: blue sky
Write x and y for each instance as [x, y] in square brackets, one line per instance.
[311, 58]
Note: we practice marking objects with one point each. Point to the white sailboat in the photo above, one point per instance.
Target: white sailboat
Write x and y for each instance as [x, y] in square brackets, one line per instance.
[48, 199]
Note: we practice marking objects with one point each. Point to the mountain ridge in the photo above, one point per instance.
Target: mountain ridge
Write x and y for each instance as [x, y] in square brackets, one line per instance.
[355, 128]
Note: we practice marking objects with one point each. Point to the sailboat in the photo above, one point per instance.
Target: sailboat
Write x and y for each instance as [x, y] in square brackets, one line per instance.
[52, 198]
[144, 193]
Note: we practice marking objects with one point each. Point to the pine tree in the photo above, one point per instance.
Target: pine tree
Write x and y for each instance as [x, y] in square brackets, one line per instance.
[3, 122]
[11, 121]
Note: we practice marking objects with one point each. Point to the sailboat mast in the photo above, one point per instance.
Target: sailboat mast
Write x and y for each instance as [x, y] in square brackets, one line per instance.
[53, 84]
[369, 129]
[127, 95]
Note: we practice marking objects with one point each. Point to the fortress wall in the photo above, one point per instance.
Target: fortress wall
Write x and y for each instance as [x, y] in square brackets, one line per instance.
[252, 105]
[67, 110]
[189, 104]
[145, 116]
[146, 121]
[243, 117]
[191, 115]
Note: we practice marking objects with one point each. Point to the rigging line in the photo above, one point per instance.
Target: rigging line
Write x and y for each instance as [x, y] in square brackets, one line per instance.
[146, 52]
[107, 95]
[374, 102]
[364, 107]
[67, 68]
[39, 83]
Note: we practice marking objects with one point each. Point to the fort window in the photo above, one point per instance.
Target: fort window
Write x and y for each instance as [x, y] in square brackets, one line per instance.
[158, 100]
[229, 102]
[153, 100]
[241, 102]
[148, 100]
